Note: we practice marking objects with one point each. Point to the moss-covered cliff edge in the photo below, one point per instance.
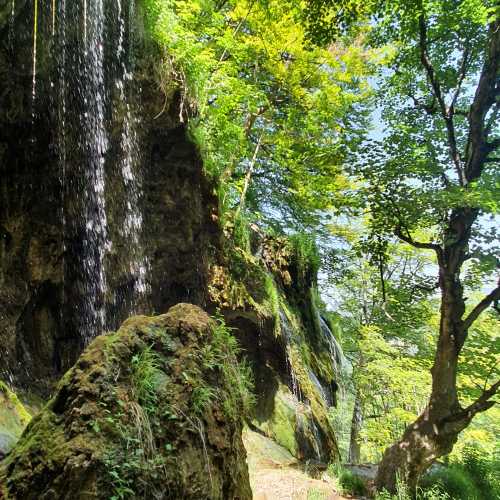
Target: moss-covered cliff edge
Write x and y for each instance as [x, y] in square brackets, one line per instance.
[266, 290]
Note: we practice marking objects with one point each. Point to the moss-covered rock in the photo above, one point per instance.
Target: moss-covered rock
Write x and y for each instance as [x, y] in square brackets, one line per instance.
[13, 419]
[281, 425]
[148, 412]
[300, 427]
[267, 293]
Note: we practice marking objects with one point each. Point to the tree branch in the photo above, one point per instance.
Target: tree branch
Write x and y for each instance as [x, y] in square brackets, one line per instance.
[445, 111]
[424, 58]
[483, 305]
[430, 109]
[462, 418]
[492, 160]
[417, 244]
[484, 98]
[248, 176]
[482, 403]
[462, 74]
[493, 118]
[492, 145]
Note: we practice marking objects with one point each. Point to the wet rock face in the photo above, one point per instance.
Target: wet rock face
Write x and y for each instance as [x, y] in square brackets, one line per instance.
[129, 419]
[293, 369]
[104, 208]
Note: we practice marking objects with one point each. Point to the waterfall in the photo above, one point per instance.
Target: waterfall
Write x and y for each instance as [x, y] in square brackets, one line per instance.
[35, 47]
[11, 24]
[53, 18]
[61, 129]
[287, 333]
[309, 430]
[317, 440]
[91, 56]
[96, 242]
[341, 365]
[314, 379]
[130, 161]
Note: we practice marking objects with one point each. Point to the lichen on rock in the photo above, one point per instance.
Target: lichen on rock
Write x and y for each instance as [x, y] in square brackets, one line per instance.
[151, 411]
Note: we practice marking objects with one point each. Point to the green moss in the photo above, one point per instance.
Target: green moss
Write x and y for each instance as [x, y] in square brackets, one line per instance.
[281, 426]
[241, 232]
[24, 415]
[13, 418]
[305, 256]
[144, 411]
[273, 301]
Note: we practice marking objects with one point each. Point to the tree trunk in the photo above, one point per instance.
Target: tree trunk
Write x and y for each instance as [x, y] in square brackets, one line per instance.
[423, 441]
[354, 444]
[436, 430]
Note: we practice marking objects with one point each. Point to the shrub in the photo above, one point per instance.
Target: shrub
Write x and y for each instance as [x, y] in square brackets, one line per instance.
[403, 493]
[347, 482]
[454, 480]
[473, 477]
[351, 483]
[484, 469]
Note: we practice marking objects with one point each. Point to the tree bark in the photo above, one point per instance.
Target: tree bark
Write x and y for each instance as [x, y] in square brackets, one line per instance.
[356, 422]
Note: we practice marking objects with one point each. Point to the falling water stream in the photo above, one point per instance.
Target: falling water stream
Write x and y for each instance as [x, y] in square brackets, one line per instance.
[96, 241]
[340, 364]
[88, 60]
[11, 24]
[133, 220]
[287, 331]
[35, 48]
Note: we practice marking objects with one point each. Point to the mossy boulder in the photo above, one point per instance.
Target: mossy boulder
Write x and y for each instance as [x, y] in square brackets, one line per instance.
[13, 419]
[147, 412]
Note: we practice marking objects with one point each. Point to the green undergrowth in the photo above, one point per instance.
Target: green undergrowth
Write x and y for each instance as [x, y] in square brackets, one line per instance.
[222, 354]
[475, 475]
[146, 377]
[403, 493]
[347, 482]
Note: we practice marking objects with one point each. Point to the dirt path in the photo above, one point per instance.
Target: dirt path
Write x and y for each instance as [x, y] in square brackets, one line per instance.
[276, 475]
